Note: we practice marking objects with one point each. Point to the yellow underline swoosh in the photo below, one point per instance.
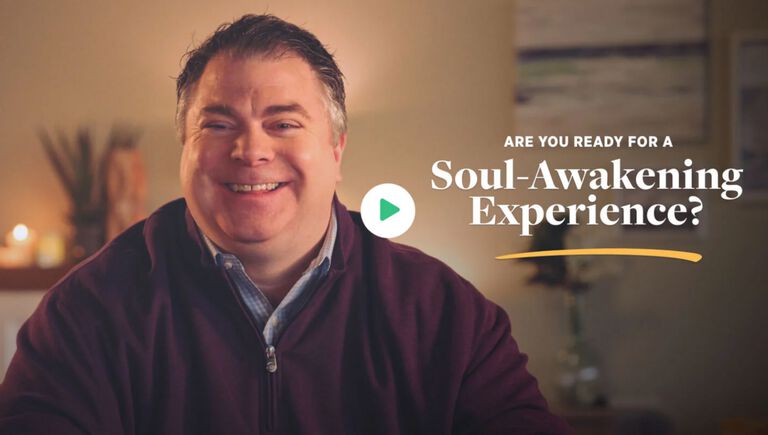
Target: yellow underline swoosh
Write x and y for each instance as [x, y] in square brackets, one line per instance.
[663, 253]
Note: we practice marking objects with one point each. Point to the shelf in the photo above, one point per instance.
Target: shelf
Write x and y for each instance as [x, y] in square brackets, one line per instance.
[611, 421]
[31, 278]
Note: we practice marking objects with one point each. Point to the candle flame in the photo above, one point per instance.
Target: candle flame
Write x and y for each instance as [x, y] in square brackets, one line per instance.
[20, 232]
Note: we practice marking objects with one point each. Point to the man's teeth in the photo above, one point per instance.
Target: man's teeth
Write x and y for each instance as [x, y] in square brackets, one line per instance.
[252, 187]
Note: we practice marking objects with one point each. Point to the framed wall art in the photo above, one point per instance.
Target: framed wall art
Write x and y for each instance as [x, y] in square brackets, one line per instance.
[606, 67]
[749, 111]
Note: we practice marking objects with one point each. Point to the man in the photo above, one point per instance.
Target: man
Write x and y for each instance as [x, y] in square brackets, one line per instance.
[259, 304]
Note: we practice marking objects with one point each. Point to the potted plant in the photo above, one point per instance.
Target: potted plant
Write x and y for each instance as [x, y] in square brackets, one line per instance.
[83, 178]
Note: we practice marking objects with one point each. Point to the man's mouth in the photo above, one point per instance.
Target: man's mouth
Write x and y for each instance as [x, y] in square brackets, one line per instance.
[246, 188]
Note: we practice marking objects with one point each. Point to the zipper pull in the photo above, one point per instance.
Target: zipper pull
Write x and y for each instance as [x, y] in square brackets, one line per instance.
[271, 359]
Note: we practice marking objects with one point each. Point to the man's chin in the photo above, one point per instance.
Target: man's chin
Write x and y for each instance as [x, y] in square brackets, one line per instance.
[257, 234]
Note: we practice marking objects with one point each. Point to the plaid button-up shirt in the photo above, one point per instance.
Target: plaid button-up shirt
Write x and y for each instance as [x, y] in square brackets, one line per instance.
[273, 320]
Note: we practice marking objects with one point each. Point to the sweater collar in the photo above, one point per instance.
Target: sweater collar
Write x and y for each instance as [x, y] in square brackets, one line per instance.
[345, 238]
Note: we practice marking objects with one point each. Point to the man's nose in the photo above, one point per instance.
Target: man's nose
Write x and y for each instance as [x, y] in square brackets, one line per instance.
[253, 147]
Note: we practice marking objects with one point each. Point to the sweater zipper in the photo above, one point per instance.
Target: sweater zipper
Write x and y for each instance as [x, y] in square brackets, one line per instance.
[271, 359]
[271, 352]
[271, 368]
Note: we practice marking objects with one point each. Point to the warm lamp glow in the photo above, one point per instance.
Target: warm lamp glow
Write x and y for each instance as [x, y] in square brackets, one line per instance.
[20, 232]
[19, 249]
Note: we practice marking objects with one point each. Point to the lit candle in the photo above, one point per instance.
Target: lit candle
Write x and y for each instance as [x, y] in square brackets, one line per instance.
[20, 247]
[20, 236]
[51, 250]
[11, 258]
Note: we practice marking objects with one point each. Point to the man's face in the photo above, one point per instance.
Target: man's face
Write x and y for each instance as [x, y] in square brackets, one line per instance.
[259, 163]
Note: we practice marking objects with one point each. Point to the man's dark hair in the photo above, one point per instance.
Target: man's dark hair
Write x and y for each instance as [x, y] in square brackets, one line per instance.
[270, 36]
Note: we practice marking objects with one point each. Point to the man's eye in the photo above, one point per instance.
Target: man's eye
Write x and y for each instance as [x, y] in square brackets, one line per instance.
[285, 125]
[215, 126]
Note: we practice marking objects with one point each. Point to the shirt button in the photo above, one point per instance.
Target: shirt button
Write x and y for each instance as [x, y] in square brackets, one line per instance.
[228, 265]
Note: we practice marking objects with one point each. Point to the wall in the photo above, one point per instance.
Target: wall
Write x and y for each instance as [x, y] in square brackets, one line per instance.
[427, 81]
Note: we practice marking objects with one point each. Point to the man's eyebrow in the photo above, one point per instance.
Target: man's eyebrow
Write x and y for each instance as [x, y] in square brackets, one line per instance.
[219, 109]
[287, 108]
[275, 109]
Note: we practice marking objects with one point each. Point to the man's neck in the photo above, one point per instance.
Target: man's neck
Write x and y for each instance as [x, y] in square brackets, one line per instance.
[276, 276]
[275, 266]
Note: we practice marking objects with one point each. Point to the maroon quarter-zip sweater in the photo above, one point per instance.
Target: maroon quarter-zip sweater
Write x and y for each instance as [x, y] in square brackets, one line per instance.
[150, 337]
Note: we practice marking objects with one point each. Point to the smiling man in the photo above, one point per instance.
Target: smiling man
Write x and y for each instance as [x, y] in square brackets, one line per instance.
[260, 163]
[258, 303]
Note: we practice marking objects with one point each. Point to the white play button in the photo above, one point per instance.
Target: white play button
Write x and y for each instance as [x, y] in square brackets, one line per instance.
[388, 210]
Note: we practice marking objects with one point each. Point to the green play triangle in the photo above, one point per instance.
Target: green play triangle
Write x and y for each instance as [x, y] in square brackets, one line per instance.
[387, 209]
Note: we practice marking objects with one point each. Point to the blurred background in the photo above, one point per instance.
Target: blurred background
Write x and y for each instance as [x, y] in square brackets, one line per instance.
[677, 346]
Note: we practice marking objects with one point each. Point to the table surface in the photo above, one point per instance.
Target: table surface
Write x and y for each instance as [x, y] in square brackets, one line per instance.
[616, 421]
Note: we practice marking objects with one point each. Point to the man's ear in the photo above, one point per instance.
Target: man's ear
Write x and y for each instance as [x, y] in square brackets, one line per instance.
[338, 151]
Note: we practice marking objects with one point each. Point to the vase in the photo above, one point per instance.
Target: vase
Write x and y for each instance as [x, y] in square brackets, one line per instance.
[579, 381]
[88, 238]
